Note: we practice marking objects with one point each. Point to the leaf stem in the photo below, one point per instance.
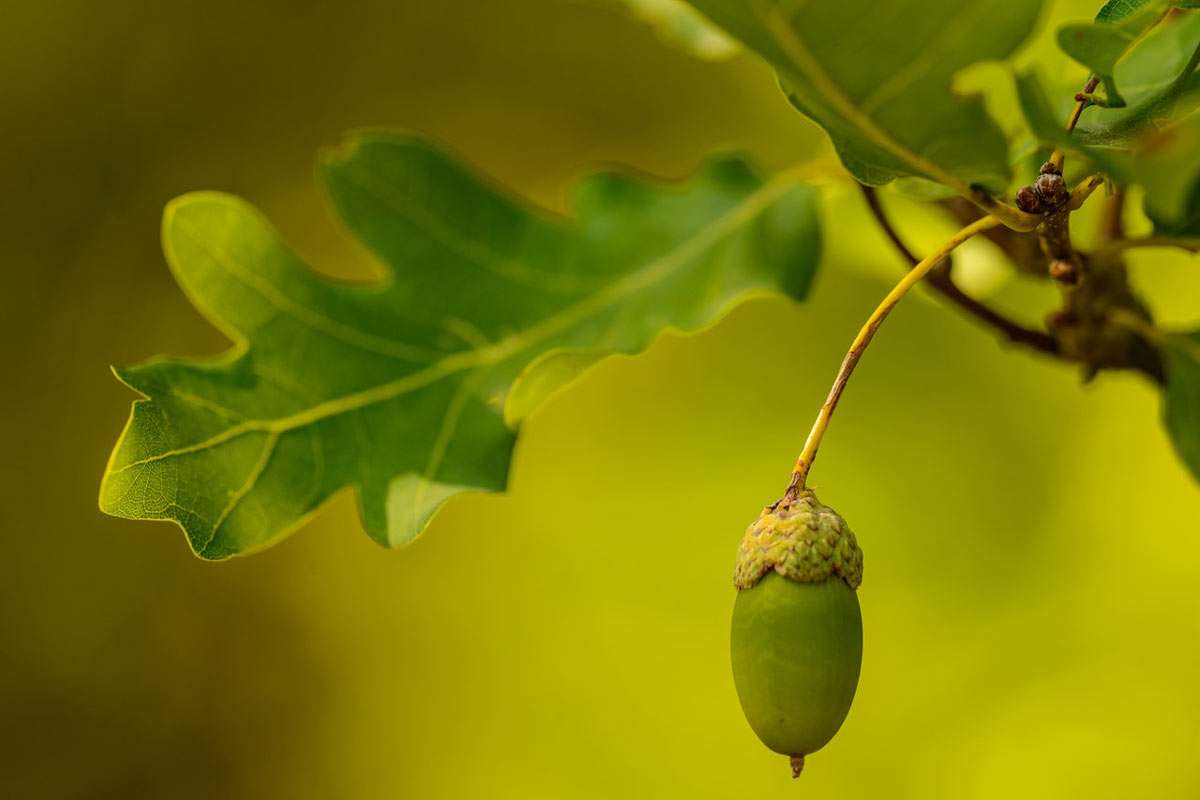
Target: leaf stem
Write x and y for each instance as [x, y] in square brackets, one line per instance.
[859, 345]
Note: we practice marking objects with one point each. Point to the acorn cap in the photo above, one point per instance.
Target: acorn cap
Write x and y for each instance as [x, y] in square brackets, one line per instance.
[802, 540]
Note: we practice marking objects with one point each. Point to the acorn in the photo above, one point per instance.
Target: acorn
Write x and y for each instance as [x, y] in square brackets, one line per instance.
[797, 628]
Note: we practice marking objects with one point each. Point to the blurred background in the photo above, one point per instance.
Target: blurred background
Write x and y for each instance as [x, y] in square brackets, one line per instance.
[1031, 604]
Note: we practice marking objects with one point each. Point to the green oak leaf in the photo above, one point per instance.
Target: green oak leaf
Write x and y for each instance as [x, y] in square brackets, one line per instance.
[1124, 29]
[1181, 399]
[1117, 10]
[399, 388]
[678, 23]
[1161, 82]
[877, 77]
[1100, 45]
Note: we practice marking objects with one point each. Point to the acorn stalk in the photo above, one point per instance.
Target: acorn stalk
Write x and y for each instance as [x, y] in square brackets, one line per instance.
[796, 635]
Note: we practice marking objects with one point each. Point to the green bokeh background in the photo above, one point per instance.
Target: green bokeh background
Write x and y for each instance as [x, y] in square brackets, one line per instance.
[1031, 600]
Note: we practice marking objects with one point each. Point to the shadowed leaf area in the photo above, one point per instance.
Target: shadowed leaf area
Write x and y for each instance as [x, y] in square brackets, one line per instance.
[399, 388]
[877, 77]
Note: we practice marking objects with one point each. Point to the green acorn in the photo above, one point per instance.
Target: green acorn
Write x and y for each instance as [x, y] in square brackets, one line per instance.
[797, 628]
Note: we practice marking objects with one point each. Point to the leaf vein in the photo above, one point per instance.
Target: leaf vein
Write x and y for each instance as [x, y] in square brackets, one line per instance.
[955, 29]
[247, 486]
[335, 329]
[806, 64]
[472, 250]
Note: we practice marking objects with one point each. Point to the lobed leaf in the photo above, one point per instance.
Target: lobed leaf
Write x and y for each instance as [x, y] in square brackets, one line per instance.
[398, 388]
[877, 77]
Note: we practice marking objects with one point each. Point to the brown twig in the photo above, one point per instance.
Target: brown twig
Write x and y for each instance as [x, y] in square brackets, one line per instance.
[942, 281]
[1065, 265]
[1112, 225]
[1054, 234]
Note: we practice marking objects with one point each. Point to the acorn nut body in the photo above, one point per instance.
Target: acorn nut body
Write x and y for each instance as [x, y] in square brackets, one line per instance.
[796, 639]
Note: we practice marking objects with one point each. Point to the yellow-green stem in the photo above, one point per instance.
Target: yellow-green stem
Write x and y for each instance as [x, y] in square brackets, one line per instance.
[1083, 191]
[865, 334]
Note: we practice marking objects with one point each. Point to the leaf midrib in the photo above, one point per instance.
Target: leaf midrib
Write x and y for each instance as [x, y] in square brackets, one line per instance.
[779, 28]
